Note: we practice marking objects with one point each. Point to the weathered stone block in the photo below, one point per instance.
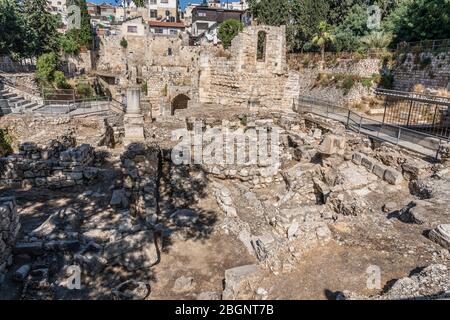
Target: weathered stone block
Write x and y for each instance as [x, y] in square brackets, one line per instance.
[441, 235]
[357, 157]
[237, 281]
[379, 170]
[367, 163]
[393, 176]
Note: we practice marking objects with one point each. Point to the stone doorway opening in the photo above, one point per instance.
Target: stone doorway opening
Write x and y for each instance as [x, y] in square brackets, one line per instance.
[181, 101]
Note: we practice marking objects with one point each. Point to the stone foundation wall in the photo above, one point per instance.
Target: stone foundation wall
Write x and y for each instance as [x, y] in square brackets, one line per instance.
[9, 228]
[364, 68]
[429, 70]
[56, 165]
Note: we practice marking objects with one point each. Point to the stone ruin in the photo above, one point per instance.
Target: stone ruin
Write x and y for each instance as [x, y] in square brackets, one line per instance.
[137, 225]
[326, 176]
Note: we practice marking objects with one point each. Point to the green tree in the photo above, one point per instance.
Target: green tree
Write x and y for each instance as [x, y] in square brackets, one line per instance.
[349, 32]
[415, 20]
[271, 12]
[12, 42]
[324, 37]
[46, 66]
[41, 26]
[228, 30]
[306, 18]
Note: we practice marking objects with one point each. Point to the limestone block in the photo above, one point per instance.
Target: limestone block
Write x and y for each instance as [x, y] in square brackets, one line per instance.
[237, 281]
[332, 144]
[392, 176]
[379, 170]
[368, 163]
[357, 157]
[441, 235]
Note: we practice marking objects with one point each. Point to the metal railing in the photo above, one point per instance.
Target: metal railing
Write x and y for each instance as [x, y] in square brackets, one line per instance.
[419, 142]
[425, 45]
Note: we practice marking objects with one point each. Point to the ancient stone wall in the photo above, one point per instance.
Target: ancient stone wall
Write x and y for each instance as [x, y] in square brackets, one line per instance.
[56, 165]
[429, 70]
[9, 228]
[242, 78]
[308, 80]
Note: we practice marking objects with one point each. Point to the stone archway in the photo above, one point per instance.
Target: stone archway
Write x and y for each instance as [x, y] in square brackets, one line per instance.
[181, 101]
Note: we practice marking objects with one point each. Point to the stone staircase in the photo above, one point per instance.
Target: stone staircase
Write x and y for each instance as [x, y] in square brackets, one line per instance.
[11, 102]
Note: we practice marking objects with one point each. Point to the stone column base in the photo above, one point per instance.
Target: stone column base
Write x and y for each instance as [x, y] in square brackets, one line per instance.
[134, 128]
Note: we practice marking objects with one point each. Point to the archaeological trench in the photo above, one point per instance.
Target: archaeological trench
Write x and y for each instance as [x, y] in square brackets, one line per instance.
[102, 197]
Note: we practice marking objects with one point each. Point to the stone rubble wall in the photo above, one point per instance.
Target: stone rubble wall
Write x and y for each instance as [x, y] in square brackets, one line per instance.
[364, 68]
[138, 189]
[56, 165]
[434, 76]
[9, 228]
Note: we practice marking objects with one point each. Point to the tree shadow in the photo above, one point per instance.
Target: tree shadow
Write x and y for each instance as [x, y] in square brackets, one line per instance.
[114, 246]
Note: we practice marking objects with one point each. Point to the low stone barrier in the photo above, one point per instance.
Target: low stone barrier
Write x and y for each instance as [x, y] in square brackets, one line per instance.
[56, 165]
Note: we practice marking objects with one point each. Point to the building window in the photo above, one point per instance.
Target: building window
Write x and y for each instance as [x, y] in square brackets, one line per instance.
[132, 29]
[159, 30]
[261, 47]
[170, 51]
[173, 32]
[167, 13]
[153, 2]
[153, 13]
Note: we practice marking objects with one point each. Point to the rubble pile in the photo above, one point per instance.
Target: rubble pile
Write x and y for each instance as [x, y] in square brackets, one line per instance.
[432, 282]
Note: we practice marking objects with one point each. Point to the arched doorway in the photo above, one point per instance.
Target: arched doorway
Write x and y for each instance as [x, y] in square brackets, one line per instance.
[179, 102]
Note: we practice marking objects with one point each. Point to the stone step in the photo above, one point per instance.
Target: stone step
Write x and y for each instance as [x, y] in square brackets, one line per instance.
[15, 99]
[21, 102]
[9, 95]
[29, 105]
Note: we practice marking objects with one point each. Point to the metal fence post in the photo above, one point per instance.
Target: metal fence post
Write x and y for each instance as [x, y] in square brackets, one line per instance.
[399, 134]
[348, 118]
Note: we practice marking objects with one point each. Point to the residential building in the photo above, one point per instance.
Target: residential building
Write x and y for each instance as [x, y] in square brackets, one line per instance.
[205, 19]
[236, 5]
[93, 9]
[58, 7]
[163, 10]
[166, 28]
[134, 27]
[107, 11]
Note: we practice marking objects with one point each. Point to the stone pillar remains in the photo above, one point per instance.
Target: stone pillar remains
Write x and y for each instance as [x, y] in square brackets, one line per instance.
[134, 119]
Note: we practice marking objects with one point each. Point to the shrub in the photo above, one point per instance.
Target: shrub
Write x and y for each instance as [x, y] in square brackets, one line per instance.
[144, 88]
[60, 80]
[84, 90]
[46, 66]
[69, 45]
[124, 43]
[5, 143]
[387, 79]
[425, 62]
[348, 84]
[229, 30]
